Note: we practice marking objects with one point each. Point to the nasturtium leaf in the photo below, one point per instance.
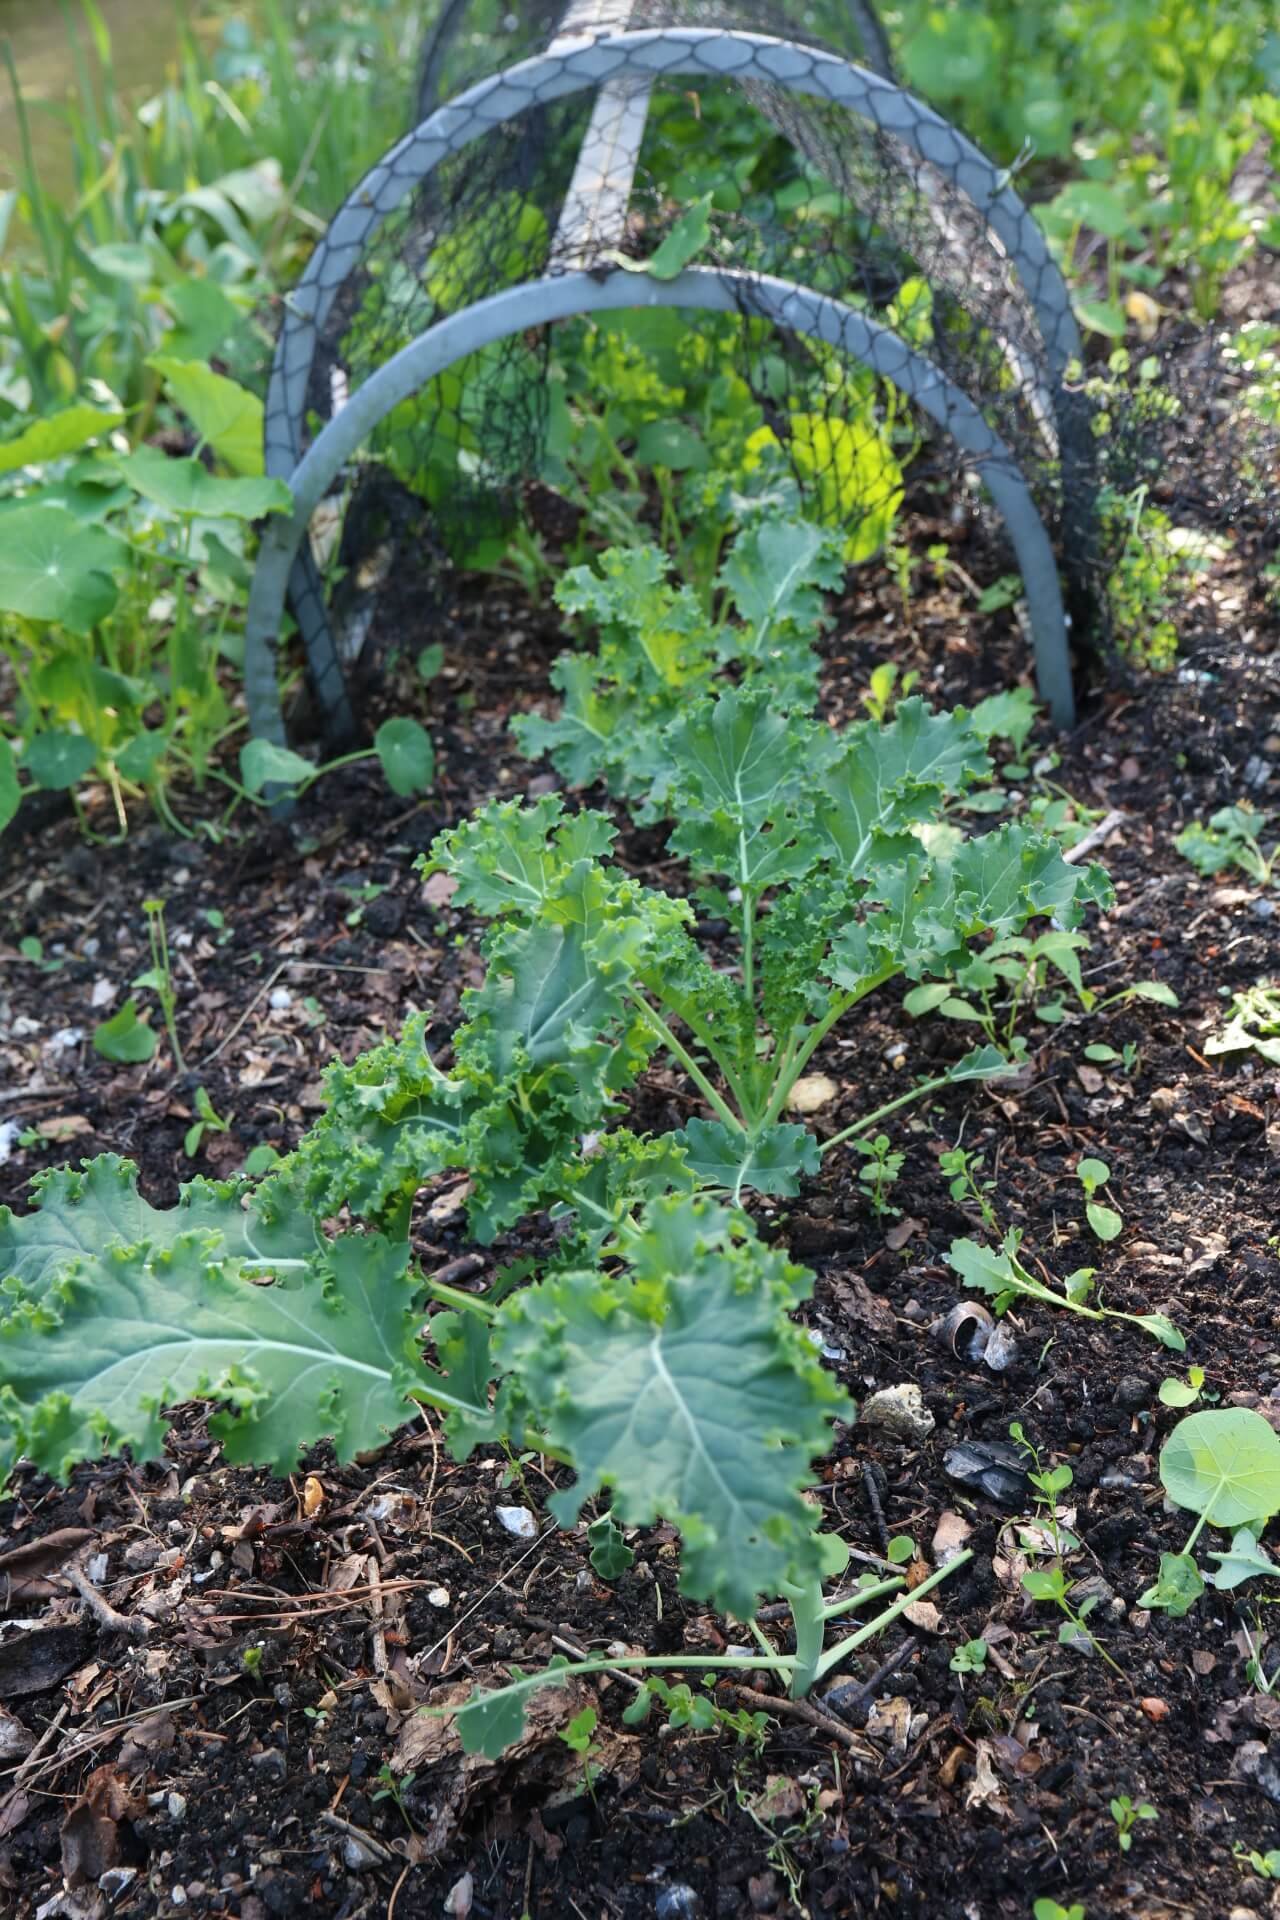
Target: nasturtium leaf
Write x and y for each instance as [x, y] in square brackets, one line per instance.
[139, 759]
[688, 1391]
[185, 485]
[203, 316]
[406, 755]
[1225, 1464]
[263, 764]
[226, 417]
[774, 1161]
[125, 1037]
[57, 760]
[1243, 1560]
[57, 435]
[55, 568]
[10, 791]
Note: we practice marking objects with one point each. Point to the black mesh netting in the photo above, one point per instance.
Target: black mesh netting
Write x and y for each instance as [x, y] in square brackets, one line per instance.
[889, 220]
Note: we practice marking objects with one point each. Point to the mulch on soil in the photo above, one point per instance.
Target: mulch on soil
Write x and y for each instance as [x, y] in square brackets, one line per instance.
[204, 1671]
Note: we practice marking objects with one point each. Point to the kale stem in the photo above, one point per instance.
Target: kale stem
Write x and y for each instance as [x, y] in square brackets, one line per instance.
[715, 1101]
[880, 1113]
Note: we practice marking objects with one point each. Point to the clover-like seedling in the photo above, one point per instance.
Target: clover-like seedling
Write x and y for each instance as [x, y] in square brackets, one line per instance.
[970, 1657]
[1126, 1815]
[1105, 1221]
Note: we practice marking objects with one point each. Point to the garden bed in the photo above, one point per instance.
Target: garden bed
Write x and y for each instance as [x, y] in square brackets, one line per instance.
[218, 1746]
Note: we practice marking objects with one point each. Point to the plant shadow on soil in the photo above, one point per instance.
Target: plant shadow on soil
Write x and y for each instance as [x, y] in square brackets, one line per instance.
[229, 1760]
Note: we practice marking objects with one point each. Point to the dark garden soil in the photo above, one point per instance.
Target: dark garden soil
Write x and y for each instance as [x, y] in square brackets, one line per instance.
[169, 1773]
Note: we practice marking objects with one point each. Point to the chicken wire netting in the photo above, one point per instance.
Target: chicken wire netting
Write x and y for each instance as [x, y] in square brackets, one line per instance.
[891, 216]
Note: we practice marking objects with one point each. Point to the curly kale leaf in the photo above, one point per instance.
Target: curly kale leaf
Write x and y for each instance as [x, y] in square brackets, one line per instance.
[509, 858]
[773, 1160]
[683, 1387]
[294, 1347]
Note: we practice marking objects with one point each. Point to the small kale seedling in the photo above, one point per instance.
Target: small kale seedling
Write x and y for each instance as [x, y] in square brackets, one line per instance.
[1105, 1221]
[1127, 1815]
[1265, 1865]
[1003, 1275]
[1047, 1909]
[1233, 838]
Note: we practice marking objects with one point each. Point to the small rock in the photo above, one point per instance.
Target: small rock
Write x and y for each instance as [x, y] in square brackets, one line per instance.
[279, 999]
[356, 1856]
[899, 1410]
[178, 1895]
[114, 1881]
[812, 1092]
[104, 992]
[270, 1763]
[1252, 1761]
[177, 1805]
[438, 1597]
[1263, 909]
[1132, 1394]
[677, 1902]
[518, 1520]
[458, 1901]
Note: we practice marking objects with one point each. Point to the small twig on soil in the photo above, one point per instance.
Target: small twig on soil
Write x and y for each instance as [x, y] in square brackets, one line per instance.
[871, 1487]
[800, 1710]
[1095, 836]
[580, 1653]
[30, 1764]
[850, 1698]
[311, 966]
[377, 1633]
[131, 1625]
[382, 1854]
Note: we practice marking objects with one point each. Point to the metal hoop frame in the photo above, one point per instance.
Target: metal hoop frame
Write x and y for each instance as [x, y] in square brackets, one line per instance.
[575, 66]
[540, 302]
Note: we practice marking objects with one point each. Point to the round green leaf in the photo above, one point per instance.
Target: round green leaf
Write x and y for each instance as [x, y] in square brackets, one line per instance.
[54, 568]
[1093, 1173]
[58, 760]
[263, 763]
[407, 756]
[1105, 1222]
[1224, 1464]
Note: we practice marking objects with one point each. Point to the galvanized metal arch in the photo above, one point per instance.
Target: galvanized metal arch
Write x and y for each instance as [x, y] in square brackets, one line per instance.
[538, 303]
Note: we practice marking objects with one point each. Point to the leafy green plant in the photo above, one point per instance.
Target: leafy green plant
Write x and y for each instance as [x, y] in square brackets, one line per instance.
[125, 1037]
[1224, 1466]
[1003, 1276]
[1254, 1025]
[1127, 1815]
[159, 975]
[697, 1710]
[207, 1120]
[1265, 1865]
[1048, 1909]
[295, 1336]
[1105, 1221]
[610, 1554]
[804, 842]
[969, 1657]
[1233, 838]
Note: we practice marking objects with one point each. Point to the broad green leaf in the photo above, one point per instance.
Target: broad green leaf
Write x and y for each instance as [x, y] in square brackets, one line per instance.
[889, 778]
[1105, 1221]
[776, 573]
[1152, 990]
[1244, 1560]
[687, 1391]
[124, 1036]
[10, 791]
[58, 760]
[226, 417]
[54, 568]
[490, 1722]
[185, 485]
[775, 1161]
[1003, 879]
[204, 317]
[670, 444]
[1225, 1464]
[406, 754]
[1007, 716]
[56, 435]
[264, 764]
[1161, 1327]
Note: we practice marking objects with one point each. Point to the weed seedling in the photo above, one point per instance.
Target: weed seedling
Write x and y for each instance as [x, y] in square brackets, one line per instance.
[686, 1708]
[1265, 1865]
[1003, 1275]
[1105, 1221]
[394, 1787]
[1182, 1393]
[879, 1171]
[963, 1170]
[970, 1657]
[1052, 1584]
[208, 1120]
[159, 975]
[1233, 838]
[1126, 1816]
[1046, 1909]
